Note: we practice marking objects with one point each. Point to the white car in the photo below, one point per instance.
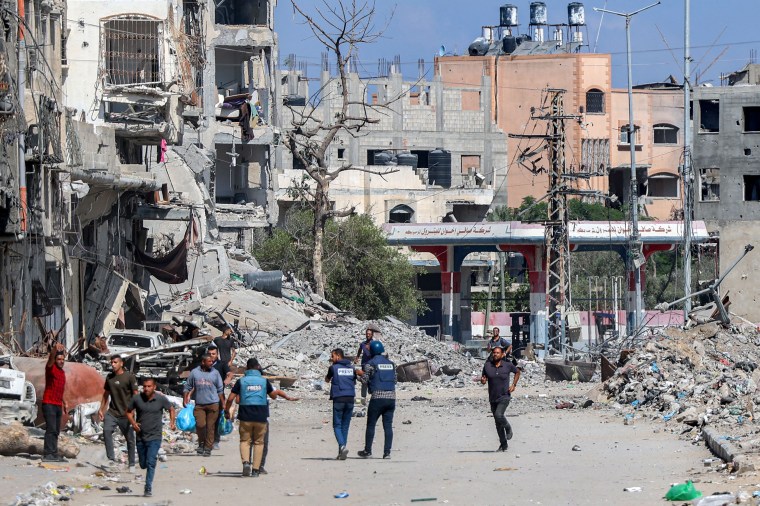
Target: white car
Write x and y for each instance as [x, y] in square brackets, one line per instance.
[121, 342]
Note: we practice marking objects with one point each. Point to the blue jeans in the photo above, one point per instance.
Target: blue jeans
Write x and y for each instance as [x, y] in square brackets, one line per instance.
[147, 452]
[376, 409]
[342, 412]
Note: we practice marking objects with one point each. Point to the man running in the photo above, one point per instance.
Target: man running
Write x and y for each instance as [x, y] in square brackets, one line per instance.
[342, 377]
[119, 388]
[145, 414]
[380, 374]
[496, 372]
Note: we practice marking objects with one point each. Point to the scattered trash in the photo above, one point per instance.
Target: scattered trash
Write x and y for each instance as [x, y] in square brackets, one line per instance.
[341, 495]
[186, 491]
[123, 490]
[419, 398]
[683, 492]
[407, 422]
[295, 494]
[718, 499]
[576, 448]
[202, 471]
[632, 489]
[628, 420]
[425, 499]
[505, 469]
[564, 405]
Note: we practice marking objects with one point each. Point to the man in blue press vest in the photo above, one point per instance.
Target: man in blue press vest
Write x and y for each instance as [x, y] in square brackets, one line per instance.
[251, 393]
[342, 377]
[380, 375]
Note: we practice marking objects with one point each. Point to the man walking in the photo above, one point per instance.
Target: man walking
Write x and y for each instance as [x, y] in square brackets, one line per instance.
[227, 348]
[251, 393]
[223, 368]
[380, 374]
[53, 403]
[205, 386]
[342, 377]
[145, 415]
[120, 387]
[364, 355]
[496, 372]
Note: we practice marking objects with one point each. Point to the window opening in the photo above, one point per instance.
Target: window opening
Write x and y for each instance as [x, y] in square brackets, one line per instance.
[751, 188]
[709, 116]
[401, 214]
[624, 134]
[663, 186]
[131, 54]
[595, 101]
[709, 182]
[751, 119]
[665, 134]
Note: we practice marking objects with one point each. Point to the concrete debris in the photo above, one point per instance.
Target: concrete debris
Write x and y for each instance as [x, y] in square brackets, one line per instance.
[703, 376]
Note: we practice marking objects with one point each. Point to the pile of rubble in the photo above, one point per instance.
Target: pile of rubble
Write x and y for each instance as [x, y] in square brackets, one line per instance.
[305, 354]
[706, 375]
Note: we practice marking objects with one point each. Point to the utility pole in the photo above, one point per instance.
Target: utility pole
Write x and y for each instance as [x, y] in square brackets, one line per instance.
[687, 175]
[635, 260]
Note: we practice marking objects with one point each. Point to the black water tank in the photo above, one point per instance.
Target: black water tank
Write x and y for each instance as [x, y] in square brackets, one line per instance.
[439, 167]
[509, 44]
[407, 159]
[383, 158]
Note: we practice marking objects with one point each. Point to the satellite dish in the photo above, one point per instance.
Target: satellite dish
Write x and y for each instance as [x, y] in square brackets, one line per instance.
[442, 50]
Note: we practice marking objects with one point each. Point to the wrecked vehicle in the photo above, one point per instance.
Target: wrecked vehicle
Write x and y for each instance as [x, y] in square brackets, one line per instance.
[18, 399]
[122, 342]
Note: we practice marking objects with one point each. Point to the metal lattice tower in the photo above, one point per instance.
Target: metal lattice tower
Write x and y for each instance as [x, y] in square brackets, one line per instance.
[557, 242]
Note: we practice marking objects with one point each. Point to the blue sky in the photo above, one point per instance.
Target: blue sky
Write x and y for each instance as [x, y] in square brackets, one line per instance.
[722, 29]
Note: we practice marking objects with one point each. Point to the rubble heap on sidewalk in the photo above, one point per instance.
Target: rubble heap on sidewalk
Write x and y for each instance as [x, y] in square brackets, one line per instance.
[706, 375]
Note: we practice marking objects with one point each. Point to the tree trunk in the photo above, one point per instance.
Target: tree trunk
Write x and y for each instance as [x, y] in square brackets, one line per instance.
[15, 440]
[320, 210]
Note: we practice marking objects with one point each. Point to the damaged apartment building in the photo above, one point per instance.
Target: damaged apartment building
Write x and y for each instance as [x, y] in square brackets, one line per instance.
[447, 154]
[122, 140]
[726, 168]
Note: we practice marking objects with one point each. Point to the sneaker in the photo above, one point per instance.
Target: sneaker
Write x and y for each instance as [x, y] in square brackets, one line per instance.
[364, 454]
[207, 452]
[255, 473]
[387, 455]
[131, 469]
[246, 468]
[342, 453]
[216, 446]
[503, 447]
[262, 470]
[148, 493]
[200, 450]
[49, 458]
[509, 436]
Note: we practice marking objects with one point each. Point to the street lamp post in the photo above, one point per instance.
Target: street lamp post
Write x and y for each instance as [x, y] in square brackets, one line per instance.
[634, 261]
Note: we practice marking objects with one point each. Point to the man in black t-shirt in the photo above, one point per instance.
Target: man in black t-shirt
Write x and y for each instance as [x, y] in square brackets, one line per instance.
[224, 371]
[496, 372]
[118, 390]
[145, 414]
[227, 348]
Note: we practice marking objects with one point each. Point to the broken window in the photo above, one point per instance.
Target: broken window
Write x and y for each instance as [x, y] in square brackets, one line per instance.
[751, 119]
[663, 186]
[131, 50]
[401, 214]
[242, 12]
[595, 101]
[709, 182]
[751, 188]
[665, 133]
[624, 134]
[341, 153]
[709, 116]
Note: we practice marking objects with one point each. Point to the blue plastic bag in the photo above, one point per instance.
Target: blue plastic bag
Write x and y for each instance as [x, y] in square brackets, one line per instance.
[224, 426]
[186, 419]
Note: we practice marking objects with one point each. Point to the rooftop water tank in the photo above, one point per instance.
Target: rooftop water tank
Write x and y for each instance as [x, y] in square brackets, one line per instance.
[509, 44]
[407, 159]
[538, 15]
[479, 47]
[508, 15]
[439, 167]
[383, 158]
[576, 14]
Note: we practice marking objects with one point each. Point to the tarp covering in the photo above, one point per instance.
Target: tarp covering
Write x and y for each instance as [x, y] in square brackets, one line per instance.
[170, 268]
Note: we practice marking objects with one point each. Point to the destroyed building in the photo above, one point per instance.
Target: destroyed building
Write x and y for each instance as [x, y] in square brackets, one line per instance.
[726, 150]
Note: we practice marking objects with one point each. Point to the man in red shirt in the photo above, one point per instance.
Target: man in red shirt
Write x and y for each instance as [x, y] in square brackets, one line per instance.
[53, 404]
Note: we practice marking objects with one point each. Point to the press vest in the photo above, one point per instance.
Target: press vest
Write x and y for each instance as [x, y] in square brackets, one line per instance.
[343, 380]
[253, 389]
[384, 377]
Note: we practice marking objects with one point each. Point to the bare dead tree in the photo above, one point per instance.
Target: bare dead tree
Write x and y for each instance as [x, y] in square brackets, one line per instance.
[341, 26]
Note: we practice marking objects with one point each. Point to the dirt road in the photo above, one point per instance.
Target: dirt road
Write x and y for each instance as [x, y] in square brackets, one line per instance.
[445, 453]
